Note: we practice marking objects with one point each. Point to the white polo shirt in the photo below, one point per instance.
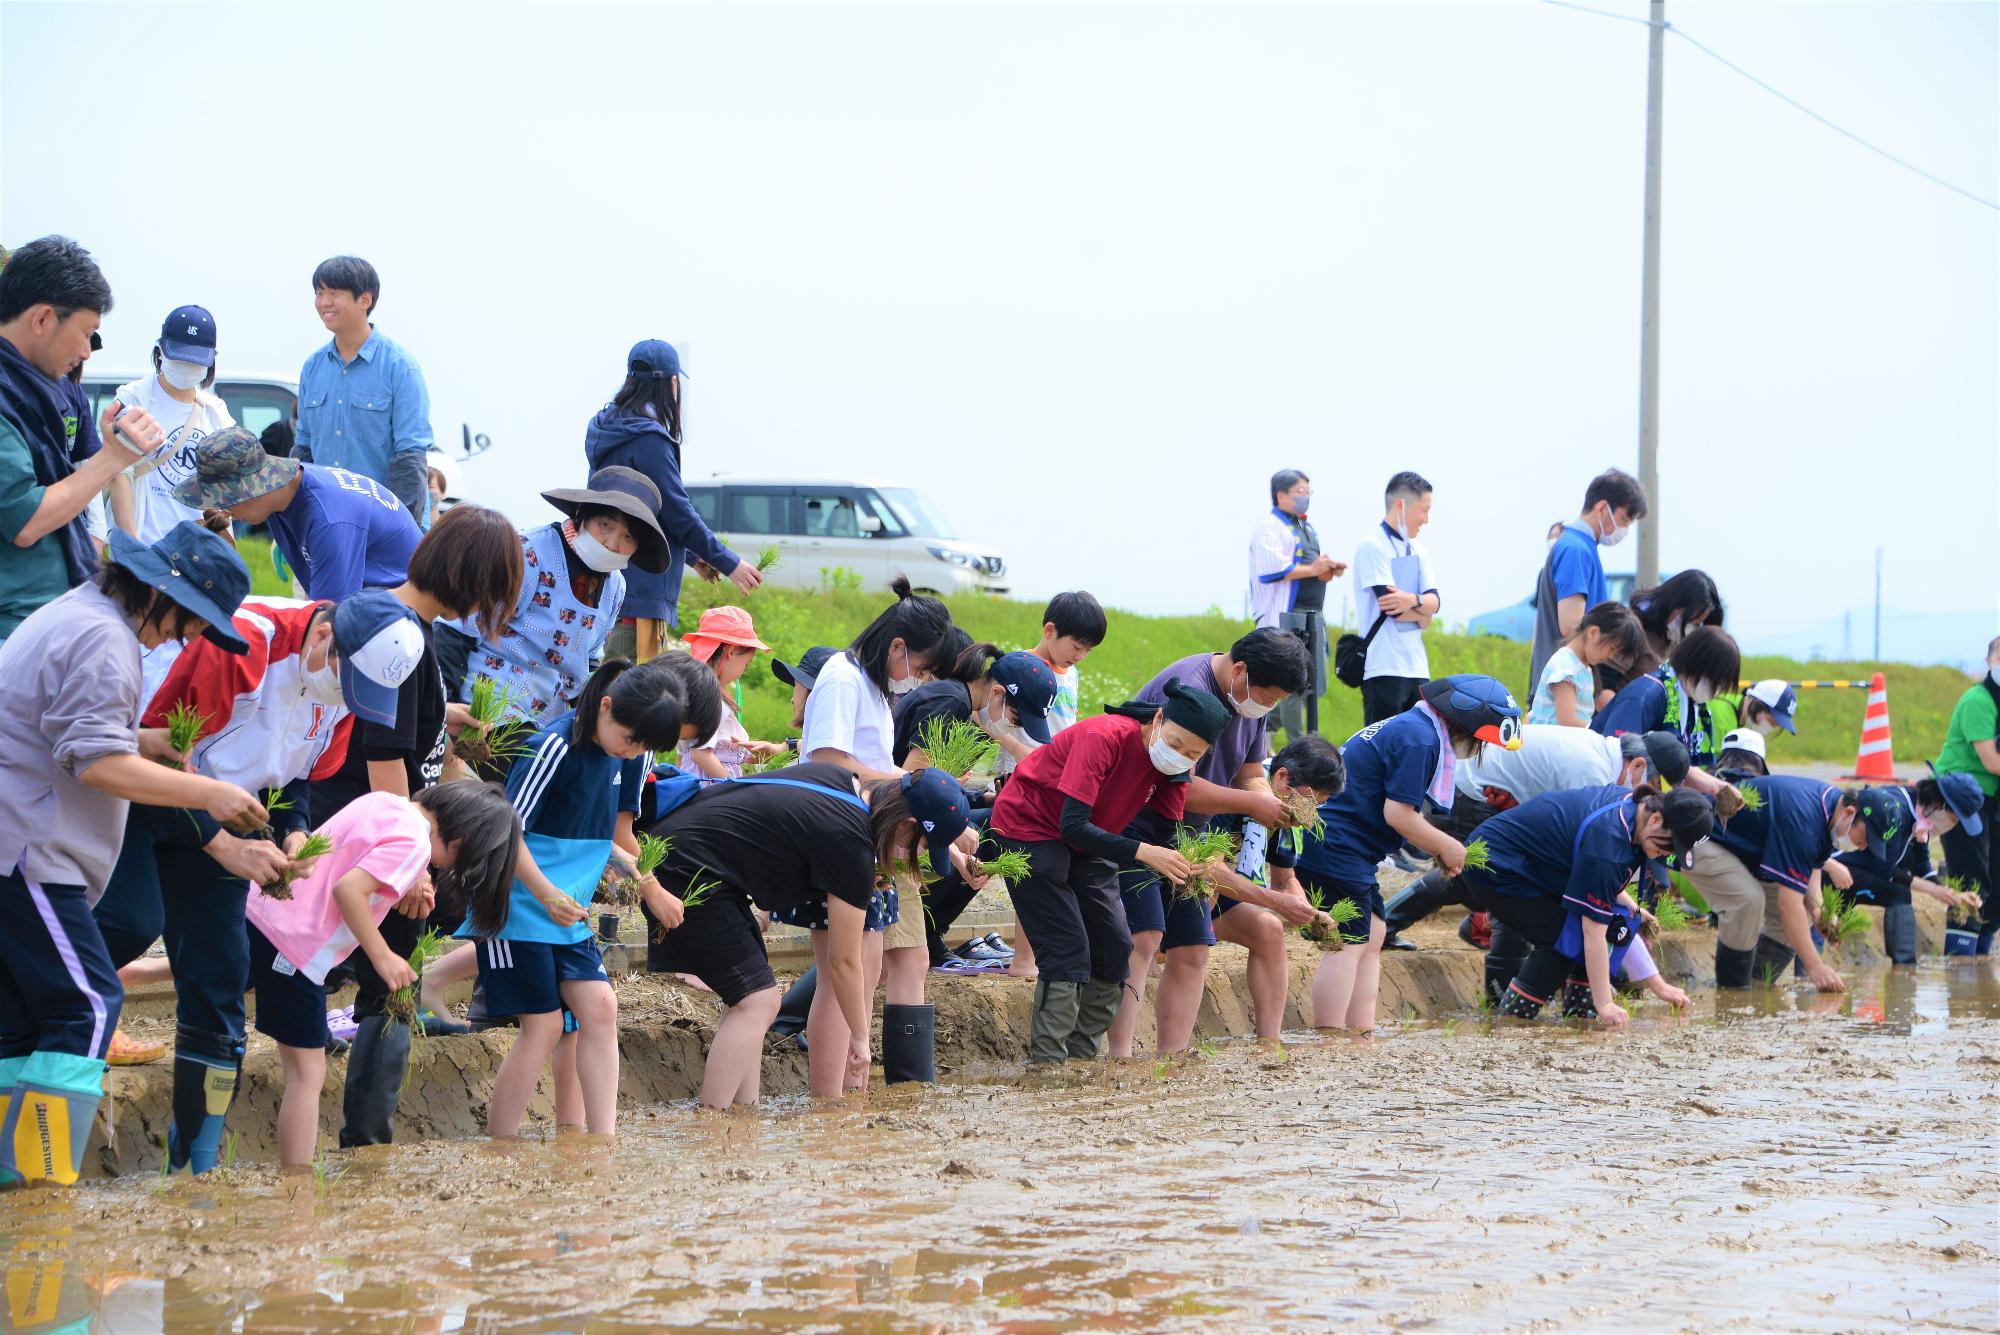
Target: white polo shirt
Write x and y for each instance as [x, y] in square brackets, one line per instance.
[1398, 650]
[847, 713]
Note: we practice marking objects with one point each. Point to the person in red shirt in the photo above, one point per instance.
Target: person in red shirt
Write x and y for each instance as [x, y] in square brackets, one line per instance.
[1061, 808]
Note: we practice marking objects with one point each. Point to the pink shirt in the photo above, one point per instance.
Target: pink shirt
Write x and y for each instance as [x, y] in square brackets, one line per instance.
[379, 833]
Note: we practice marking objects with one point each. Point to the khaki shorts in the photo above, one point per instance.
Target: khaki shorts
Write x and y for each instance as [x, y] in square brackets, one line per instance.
[908, 929]
[1745, 907]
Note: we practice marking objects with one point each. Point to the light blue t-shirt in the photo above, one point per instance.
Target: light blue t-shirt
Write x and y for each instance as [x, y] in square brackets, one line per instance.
[1562, 666]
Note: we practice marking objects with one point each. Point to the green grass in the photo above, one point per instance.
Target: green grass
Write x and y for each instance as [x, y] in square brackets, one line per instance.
[1920, 698]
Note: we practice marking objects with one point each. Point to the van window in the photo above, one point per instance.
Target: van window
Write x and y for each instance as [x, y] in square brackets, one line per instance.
[831, 514]
[758, 510]
[892, 524]
[255, 407]
[919, 519]
[706, 501]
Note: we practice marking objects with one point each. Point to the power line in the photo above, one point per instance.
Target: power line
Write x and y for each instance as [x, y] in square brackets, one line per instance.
[1790, 101]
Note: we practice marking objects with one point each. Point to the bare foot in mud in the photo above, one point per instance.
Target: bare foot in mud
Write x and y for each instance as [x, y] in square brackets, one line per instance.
[1018, 970]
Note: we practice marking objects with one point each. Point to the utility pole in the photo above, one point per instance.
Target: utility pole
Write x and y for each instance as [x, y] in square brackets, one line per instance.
[1878, 604]
[1649, 309]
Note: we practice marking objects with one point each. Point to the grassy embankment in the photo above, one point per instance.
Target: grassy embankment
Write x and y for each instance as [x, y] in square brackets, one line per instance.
[1920, 698]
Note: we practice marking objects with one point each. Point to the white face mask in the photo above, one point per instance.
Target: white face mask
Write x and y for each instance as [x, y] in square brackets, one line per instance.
[1615, 536]
[1248, 707]
[1674, 631]
[1167, 760]
[995, 717]
[1763, 727]
[182, 375]
[323, 686]
[1396, 522]
[595, 554]
[1849, 843]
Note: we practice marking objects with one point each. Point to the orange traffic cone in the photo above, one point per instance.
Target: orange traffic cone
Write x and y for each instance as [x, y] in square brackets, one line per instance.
[1875, 760]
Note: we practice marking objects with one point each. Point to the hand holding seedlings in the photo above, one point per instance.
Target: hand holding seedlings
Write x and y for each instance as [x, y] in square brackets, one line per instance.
[490, 736]
[562, 910]
[257, 860]
[1324, 931]
[767, 560]
[1302, 813]
[301, 851]
[236, 809]
[184, 725]
[1010, 867]
[1206, 852]
[1166, 862]
[1265, 807]
[402, 999]
[1839, 917]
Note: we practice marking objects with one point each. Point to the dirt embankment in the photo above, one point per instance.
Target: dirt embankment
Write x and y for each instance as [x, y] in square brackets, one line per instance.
[665, 1028]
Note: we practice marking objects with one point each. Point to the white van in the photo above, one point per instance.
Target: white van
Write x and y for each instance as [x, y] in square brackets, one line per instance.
[876, 529]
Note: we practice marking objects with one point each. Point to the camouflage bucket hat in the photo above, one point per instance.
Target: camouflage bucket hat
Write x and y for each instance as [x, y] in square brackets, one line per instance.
[230, 467]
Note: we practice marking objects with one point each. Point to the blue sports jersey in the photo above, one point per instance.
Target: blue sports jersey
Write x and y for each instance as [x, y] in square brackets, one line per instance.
[1789, 836]
[344, 533]
[1576, 844]
[1391, 761]
[568, 798]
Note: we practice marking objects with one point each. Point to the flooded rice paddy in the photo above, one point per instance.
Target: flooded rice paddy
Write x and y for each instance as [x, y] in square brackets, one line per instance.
[1790, 1162]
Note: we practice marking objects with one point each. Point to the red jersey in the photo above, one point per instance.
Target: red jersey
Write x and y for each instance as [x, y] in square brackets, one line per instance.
[1101, 761]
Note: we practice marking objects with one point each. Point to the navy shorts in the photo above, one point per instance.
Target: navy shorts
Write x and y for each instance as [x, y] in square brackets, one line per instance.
[884, 910]
[1150, 906]
[1367, 898]
[526, 977]
[291, 1008]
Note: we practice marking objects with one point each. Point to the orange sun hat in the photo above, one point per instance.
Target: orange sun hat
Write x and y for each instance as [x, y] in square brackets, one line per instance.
[720, 626]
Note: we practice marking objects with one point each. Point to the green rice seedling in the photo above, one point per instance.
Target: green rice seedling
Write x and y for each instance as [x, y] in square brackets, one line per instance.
[1451, 1026]
[226, 1163]
[1010, 867]
[405, 1003]
[1207, 851]
[184, 725]
[494, 738]
[1667, 911]
[767, 559]
[1840, 916]
[778, 761]
[315, 846]
[1752, 799]
[1324, 932]
[1478, 857]
[1302, 813]
[925, 872]
[955, 747]
[699, 892]
[1965, 917]
[1161, 1067]
[1207, 1047]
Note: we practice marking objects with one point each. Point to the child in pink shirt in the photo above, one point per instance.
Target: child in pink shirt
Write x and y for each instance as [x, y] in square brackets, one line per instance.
[384, 847]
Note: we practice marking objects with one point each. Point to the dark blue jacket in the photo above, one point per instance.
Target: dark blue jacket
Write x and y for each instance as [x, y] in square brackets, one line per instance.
[51, 417]
[642, 443]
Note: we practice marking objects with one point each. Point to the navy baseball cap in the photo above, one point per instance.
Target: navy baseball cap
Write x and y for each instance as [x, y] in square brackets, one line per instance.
[1777, 696]
[806, 671]
[1885, 813]
[654, 358]
[188, 335]
[380, 643]
[1031, 689]
[1964, 796]
[939, 805]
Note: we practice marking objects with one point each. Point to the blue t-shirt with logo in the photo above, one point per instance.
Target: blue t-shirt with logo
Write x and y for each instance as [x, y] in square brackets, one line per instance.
[1575, 844]
[568, 797]
[1788, 837]
[344, 533]
[1391, 761]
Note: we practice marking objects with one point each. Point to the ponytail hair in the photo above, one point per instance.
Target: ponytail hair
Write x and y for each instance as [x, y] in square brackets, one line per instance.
[963, 660]
[483, 823]
[700, 692]
[921, 623]
[648, 701]
[1617, 624]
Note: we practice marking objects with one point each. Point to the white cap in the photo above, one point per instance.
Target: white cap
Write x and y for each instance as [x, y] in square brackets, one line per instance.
[1745, 739]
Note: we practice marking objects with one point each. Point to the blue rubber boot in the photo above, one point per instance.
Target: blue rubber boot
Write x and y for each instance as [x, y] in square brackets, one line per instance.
[10, 1079]
[206, 1067]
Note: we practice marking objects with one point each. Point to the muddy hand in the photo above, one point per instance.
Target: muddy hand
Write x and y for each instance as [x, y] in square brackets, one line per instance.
[666, 908]
[857, 1061]
[1613, 1016]
[231, 806]
[563, 911]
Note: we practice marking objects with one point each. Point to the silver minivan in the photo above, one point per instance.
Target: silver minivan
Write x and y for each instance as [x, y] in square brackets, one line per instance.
[875, 529]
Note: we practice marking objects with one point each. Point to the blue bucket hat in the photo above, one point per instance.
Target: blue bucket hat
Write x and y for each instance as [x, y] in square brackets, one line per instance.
[198, 569]
[1964, 796]
[805, 672]
[942, 814]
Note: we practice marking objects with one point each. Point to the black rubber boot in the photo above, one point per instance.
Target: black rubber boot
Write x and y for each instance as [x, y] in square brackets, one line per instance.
[1520, 1005]
[1577, 1001]
[909, 1044]
[1056, 1006]
[1097, 1007]
[376, 1065]
[206, 1071]
[1770, 961]
[1732, 967]
[1899, 933]
[1500, 971]
[796, 1006]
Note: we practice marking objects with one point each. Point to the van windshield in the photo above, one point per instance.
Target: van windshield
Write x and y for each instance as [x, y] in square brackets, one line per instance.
[916, 513]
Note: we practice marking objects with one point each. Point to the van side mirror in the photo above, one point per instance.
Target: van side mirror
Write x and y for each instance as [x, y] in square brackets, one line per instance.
[871, 524]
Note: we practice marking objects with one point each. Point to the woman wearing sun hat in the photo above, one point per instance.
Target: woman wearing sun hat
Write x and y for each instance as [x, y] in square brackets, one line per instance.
[70, 765]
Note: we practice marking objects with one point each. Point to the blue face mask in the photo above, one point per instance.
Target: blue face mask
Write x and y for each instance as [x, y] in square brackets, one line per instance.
[1300, 504]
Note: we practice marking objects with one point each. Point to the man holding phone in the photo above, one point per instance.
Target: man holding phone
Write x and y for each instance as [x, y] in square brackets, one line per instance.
[52, 298]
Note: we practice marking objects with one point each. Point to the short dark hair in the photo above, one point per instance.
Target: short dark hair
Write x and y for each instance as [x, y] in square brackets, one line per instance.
[53, 271]
[1618, 487]
[350, 273]
[1692, 593]
[1284, 480]
[1275, 658]
[139, 599]
[701, 693]
[1708, 653]
[278, 439]
[471, 562]
[1312, 762]
[1077, 616]
[1407, 485]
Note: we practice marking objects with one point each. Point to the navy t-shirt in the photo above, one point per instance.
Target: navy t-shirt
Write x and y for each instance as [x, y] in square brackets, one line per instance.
[1788, 837]
[344, 533]
[1640, 706]
[1391, 761]
[1575, 844]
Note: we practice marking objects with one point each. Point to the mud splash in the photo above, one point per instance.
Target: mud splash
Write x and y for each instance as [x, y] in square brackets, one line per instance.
[1785, 1161]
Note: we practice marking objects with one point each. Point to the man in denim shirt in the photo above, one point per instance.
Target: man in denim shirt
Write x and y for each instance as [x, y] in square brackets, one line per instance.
[363, 405]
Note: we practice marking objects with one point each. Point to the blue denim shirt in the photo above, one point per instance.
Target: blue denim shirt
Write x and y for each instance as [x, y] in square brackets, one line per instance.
[360, 414]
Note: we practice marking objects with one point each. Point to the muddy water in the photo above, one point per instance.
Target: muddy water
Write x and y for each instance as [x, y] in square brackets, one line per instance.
[1797, 1163]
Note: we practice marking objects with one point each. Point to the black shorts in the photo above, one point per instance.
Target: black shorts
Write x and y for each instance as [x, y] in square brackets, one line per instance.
[291, 1008]
[718, 942]
[1368, 898]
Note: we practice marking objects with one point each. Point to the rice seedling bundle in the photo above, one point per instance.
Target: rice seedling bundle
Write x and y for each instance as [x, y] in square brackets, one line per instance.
[1324, 931]
[404, 1003]
[315, 846]
[1207, 851]
[1302, 813]
[1009, 867]
[1669, 914]
[699, 892]
[767, 559]
[1478, 857]
[1962, 917]
[778, 761]
[494, 737]
[1839, 916]
[955, 747]
[184, 725]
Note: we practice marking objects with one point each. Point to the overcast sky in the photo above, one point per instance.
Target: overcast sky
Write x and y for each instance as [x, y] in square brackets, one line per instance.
[1088, 275]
